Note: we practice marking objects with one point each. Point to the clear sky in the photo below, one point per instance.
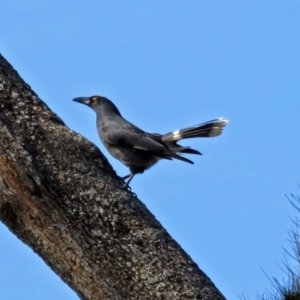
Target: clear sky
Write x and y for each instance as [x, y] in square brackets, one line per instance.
[167, 65]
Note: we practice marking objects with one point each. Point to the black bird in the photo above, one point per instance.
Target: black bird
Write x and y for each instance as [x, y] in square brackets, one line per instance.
[140, 150]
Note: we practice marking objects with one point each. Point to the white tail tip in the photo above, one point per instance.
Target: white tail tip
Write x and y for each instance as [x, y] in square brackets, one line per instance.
[217, 129]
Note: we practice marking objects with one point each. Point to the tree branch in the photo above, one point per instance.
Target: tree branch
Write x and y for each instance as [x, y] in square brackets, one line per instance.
[60, 196]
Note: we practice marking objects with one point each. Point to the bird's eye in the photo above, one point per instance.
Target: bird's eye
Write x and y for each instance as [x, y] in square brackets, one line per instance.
[94, 98]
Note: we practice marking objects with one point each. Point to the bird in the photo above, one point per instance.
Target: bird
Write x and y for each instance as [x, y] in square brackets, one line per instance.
[140, 150]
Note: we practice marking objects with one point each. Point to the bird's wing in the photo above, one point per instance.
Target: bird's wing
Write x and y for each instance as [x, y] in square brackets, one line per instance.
[130, 136]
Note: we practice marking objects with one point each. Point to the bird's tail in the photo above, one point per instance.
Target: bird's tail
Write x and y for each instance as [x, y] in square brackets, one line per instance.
[208, 129]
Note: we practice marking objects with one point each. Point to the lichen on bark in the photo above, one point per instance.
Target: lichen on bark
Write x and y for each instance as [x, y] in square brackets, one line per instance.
[60, 196]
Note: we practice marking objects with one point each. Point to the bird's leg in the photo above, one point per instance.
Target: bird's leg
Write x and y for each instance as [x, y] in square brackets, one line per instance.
[128, 181]
[127, 176]
[133, 171]
[130, 176]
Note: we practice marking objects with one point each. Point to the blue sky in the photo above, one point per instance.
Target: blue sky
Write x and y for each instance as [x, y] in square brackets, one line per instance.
[167, 65]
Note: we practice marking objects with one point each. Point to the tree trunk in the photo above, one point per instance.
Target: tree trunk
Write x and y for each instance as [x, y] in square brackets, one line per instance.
[60, 196]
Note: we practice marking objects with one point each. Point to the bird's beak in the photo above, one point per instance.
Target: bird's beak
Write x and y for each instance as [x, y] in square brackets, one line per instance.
[83, 100]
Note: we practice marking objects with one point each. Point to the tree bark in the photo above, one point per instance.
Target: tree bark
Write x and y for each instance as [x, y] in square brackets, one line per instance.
[59, 195]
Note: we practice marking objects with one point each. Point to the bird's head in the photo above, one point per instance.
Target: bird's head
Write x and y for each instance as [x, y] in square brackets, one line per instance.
[99, 104]
[92, 101]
